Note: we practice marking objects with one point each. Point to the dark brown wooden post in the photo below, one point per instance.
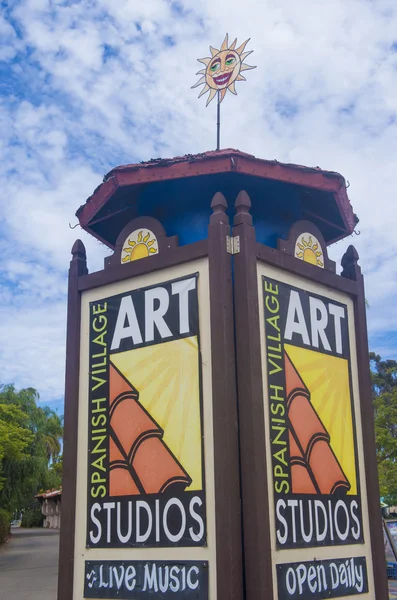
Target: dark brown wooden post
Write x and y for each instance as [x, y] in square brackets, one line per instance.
[255, 504]
[226, 458]
[78, 267]
[352, 270]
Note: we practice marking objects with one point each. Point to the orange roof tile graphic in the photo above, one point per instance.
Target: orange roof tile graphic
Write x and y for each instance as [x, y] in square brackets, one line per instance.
[302, 482]
[140, 461]
[314, 466]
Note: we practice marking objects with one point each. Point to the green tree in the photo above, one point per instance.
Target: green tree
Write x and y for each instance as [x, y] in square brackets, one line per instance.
[54, 475]
[384, 389]
[26, 473]
[15, 437]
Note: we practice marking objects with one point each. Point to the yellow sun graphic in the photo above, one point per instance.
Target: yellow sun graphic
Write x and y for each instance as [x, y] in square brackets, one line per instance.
[223, 69]
[139, 244]
[309, 250]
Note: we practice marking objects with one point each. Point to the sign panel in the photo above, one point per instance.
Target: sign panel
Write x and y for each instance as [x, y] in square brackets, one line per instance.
[143, 580]
[145, 440]
[323, 578]
[315, 480]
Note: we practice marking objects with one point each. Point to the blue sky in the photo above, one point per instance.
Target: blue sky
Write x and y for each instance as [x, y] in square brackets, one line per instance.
[86, 85]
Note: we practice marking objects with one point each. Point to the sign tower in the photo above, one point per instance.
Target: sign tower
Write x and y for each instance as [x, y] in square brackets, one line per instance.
[219, 440]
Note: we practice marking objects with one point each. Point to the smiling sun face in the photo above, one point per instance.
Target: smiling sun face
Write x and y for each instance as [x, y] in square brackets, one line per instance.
[139, 244]
[309, 250]
[223, 69]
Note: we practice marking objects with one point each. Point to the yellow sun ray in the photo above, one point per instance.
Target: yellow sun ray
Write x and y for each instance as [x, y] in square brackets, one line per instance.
[214, 51]
[205, 61]
[241, 78]
[225, 42]
[145, 381]
[232, 88]
[245, 54]
[240, 50]
[211, 96]
[200, 82]
[204, 90]
[247, 67]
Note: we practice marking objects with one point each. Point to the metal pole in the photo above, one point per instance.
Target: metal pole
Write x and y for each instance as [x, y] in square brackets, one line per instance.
[218, 123]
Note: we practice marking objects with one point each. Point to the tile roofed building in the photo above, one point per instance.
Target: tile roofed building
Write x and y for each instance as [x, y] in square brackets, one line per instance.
[51, 507]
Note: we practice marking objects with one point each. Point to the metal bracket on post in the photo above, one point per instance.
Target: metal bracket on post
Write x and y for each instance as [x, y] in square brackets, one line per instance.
[233, 244]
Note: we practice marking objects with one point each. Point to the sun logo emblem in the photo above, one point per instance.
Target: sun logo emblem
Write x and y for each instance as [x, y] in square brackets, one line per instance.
[139, 244]
[223, 69]
[309, 250]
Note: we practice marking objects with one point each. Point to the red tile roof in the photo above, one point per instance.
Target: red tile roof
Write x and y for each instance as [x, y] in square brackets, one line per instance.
[213, 162]
[49, 494]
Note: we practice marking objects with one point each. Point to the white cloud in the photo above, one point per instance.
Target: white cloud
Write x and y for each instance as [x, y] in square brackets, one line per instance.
[90, 84]
[11, 44]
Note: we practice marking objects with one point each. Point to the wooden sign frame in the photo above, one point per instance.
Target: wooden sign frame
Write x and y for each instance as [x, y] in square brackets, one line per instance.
[259, 575]
[228, 538]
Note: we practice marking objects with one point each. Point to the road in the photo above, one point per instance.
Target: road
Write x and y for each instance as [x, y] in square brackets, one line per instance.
[29, 565]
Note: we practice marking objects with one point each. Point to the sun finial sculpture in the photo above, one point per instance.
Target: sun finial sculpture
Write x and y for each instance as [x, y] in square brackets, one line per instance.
[223, 69]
